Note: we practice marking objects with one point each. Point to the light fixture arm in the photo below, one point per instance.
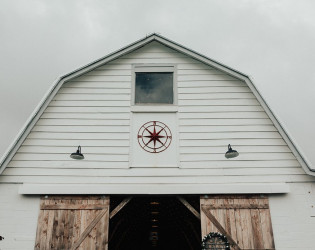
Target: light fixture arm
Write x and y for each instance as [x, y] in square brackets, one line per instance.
[79, 149]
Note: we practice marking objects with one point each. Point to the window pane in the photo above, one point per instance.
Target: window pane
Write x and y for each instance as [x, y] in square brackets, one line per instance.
[154, 87]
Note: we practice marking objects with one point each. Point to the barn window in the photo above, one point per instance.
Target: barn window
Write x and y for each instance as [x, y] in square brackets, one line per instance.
[154, 85]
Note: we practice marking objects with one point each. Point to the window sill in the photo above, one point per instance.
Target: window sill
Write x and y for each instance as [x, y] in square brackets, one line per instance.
[154, 109]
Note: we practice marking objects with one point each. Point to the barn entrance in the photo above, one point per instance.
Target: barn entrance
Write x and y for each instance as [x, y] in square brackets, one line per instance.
[154, 222]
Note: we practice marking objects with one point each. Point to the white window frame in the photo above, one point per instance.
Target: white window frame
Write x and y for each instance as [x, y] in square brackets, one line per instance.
[154, 107]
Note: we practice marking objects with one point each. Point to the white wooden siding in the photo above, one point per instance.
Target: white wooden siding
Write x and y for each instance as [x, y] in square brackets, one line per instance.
[18, 220]
[214, 110]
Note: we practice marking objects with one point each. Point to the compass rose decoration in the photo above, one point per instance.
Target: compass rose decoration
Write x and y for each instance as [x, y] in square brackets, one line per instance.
[154, 136]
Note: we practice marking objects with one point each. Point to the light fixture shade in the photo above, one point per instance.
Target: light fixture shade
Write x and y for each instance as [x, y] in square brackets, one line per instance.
[77, 155]
[231, 153]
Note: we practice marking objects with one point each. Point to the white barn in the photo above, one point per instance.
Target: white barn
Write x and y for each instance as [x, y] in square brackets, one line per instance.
[154, 121]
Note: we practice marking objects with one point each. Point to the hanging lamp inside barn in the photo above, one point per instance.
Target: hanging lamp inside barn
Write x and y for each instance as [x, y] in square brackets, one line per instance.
[231, 153]
[77, 155]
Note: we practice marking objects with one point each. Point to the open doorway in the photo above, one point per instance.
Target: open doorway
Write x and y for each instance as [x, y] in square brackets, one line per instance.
[154, 222]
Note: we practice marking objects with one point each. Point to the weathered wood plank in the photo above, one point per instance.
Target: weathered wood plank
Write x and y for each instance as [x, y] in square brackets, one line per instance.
[237, 206]
[257, 230]
[231, 217]
[88, 229]
[246, 226]
[73, 206]
[238, 226]
[84, 224]
[266, 226]
[63, 226]
[120, 206]
[102, 229]
[68, 226]
[218, 226]
[54, 199]
[189, 207]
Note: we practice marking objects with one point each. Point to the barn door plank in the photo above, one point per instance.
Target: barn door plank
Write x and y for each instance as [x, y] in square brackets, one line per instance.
[218, 226]
[238, 226]
[64, 222]
[77, 224]
[119, 207]
[256, 225]
[243, 218]
[231, 211]
[88, 229]
[267, 229]
[188, 206]
[44, 227]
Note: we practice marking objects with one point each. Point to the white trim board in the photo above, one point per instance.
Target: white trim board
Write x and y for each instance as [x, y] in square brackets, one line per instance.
[138, 44]
[253, 188]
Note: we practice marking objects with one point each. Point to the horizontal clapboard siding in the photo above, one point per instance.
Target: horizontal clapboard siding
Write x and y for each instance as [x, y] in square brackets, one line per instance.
[92, 111]
[214, 110]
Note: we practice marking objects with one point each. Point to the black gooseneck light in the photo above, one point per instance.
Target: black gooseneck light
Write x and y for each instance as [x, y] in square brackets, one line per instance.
[77, 155]
[231, 153]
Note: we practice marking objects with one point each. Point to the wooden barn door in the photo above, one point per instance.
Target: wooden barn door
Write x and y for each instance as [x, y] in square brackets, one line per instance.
[244, 219]
[73, 222]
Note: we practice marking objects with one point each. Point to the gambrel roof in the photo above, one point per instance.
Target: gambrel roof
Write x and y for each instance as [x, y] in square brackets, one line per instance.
[132, 47]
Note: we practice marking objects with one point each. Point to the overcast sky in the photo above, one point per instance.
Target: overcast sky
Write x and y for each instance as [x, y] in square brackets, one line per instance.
[273, 41]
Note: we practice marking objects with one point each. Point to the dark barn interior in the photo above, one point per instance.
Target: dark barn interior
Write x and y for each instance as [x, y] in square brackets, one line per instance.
[154, 222]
